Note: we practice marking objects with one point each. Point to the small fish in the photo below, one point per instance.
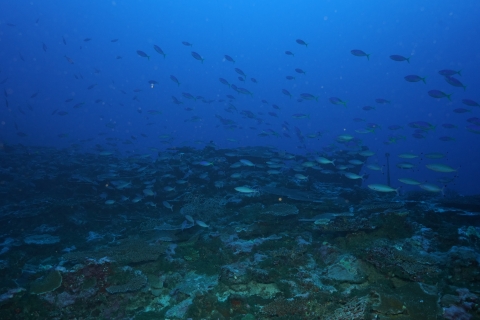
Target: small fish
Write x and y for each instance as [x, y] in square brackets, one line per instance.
[167, 205]
[290, 78]
[159, 50]
[174, 79]
[114, 40]
[439, 94]
[143, 54]
[188, 44]
[201, 224]
[382, 101]
[44, 46]
[449, 126]
[64, 41]
[240, 72]
[396, 57]
[337, 101]
[353, 176]
[223, 81]
[301, 42]
[368, 108]
[289, 53]
[440, 168]
[245, 190]
[360, 53]
[253, 80]
[382, 188]
[414, 78]
[90, 87]
[449, 73]
[409, 181]
[287, 93]
[298, 70]
[430, 187]
[228, 58]
[455, 82]
[470, 103]
[188, 96]
[109, 202]
[461, 110]
[69, 60]
[308, 96]
[197, 56]
[87, 39]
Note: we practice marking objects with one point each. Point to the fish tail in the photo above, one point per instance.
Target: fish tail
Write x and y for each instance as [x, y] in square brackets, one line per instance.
[408, 59]
[368, 57]
[423, 79]
[448, 96]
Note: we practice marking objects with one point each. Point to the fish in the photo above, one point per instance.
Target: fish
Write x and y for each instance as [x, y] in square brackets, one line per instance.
[448, 126]
[253, 80]
[174, 79]
[228, 58]
[44, 46]
[167, 205]
[405, 165]
[337, 101]
[448, 72]
[69, 60]
[201, 224]
[197, 56]
[290, 78]
[410, 181]
[382, 188]
[439, 94]
[301, 116]
[446, 138]
[298, 70]
[382, 101]
[159, 50]
[87, 39]
[360, 53]
[440, 168]
[414, 78]
[289, 53]
[375, 167]
[143, 54]
[353, 176]
[396, 57]
[240, 72]
[368, 108]
[246, 190]
[461, 110]
[308, 96]
[431, 187]
[301, 42]
[114, 40]
[188, 44]
[224, 81]
[470, 103]
[287, 93]
[188, 96]
[323, 160]
[455, 82]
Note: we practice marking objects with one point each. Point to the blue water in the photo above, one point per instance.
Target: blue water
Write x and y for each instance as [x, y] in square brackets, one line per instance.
[435, 35]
